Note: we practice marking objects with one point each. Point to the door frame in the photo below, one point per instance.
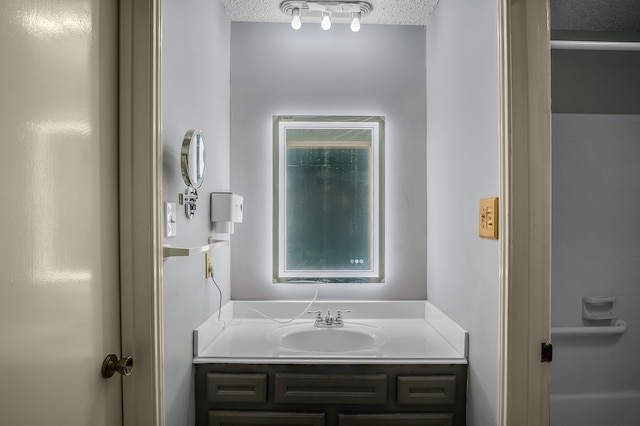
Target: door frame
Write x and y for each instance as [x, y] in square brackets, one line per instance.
[525, 114]
[524, 111]
[140, 173]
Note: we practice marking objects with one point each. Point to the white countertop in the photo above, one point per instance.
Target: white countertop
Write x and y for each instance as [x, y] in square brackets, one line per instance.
[415, 332]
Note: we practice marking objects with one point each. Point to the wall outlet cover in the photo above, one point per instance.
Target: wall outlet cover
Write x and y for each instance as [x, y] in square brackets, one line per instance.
[488, 218]
[170, 220]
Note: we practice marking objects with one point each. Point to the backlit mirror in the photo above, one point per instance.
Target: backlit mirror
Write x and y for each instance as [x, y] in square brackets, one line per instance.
[328, 199]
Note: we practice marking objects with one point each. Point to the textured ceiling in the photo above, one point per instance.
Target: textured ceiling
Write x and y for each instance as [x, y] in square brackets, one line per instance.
[393, 12]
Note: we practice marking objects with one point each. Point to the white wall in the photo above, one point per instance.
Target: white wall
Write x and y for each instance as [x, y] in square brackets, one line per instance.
[462, 167]
[378, 71]
[195, 95]
[596, 248]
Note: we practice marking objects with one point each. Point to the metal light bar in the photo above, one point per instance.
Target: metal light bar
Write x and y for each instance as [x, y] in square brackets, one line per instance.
[594, 45]
[346, 10]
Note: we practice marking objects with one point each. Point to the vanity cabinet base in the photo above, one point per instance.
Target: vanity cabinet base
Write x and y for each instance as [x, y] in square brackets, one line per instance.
[331, 394]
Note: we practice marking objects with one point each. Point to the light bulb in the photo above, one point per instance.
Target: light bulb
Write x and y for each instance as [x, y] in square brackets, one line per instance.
[296, 23]
[326, 21]
[355, 22]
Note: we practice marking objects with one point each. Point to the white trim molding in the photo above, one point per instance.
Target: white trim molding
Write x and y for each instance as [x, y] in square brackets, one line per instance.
[525, 111]
[140, 212]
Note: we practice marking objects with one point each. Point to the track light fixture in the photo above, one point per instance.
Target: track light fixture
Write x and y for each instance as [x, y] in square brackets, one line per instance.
[327, 12]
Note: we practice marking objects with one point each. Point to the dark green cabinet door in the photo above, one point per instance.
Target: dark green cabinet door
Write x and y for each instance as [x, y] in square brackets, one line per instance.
[395, 419]
[261, 418]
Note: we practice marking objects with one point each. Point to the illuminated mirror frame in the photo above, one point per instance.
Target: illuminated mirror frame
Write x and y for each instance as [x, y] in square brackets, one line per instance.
[377, 231]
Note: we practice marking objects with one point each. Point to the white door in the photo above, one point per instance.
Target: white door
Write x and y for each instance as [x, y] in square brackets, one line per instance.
[59, 269]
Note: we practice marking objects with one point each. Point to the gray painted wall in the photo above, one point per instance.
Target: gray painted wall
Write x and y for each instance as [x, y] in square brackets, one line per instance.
[195, 95]
[462, 167]
[378, 71]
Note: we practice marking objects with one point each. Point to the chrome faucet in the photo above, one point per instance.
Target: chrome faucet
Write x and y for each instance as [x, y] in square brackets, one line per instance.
[328, 320]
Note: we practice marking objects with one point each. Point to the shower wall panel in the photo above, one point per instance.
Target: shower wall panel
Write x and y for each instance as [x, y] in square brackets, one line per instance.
[595, 252]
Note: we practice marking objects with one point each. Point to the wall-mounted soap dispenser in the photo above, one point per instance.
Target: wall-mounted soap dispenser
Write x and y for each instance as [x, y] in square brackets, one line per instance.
[226, 209]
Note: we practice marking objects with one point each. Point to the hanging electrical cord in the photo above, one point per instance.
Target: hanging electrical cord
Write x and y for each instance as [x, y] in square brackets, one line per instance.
[224, 323]
[304, 311]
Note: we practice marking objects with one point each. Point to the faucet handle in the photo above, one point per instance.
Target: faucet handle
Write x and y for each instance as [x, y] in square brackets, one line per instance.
[318, 314]
[340, 312]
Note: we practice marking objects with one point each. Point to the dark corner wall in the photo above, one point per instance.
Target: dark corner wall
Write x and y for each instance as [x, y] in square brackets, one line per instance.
[599, 82]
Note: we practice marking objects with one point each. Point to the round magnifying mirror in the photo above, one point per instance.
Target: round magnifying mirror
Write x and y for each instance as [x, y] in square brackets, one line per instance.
[192, 158]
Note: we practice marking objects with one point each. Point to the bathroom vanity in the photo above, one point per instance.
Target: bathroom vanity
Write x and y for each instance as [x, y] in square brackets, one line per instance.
[392, 363]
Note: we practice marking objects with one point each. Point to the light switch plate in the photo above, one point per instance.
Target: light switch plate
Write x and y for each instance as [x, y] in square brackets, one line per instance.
[488, 218]
[170, 220]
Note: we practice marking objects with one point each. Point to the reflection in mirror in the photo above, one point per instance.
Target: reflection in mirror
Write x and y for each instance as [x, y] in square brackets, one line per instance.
[328, 199]
[192, 162]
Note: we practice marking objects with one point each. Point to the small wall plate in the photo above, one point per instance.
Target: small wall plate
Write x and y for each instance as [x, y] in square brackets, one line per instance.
[488, 218]
[170, 220]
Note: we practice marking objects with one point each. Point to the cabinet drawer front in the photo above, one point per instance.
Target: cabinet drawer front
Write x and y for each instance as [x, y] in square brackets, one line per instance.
[395, 419]
[330, 389]
[236, 387]
[247, 418]
[421, 390]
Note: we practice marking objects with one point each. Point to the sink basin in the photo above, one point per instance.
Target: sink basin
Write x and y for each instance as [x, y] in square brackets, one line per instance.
[307, 338]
